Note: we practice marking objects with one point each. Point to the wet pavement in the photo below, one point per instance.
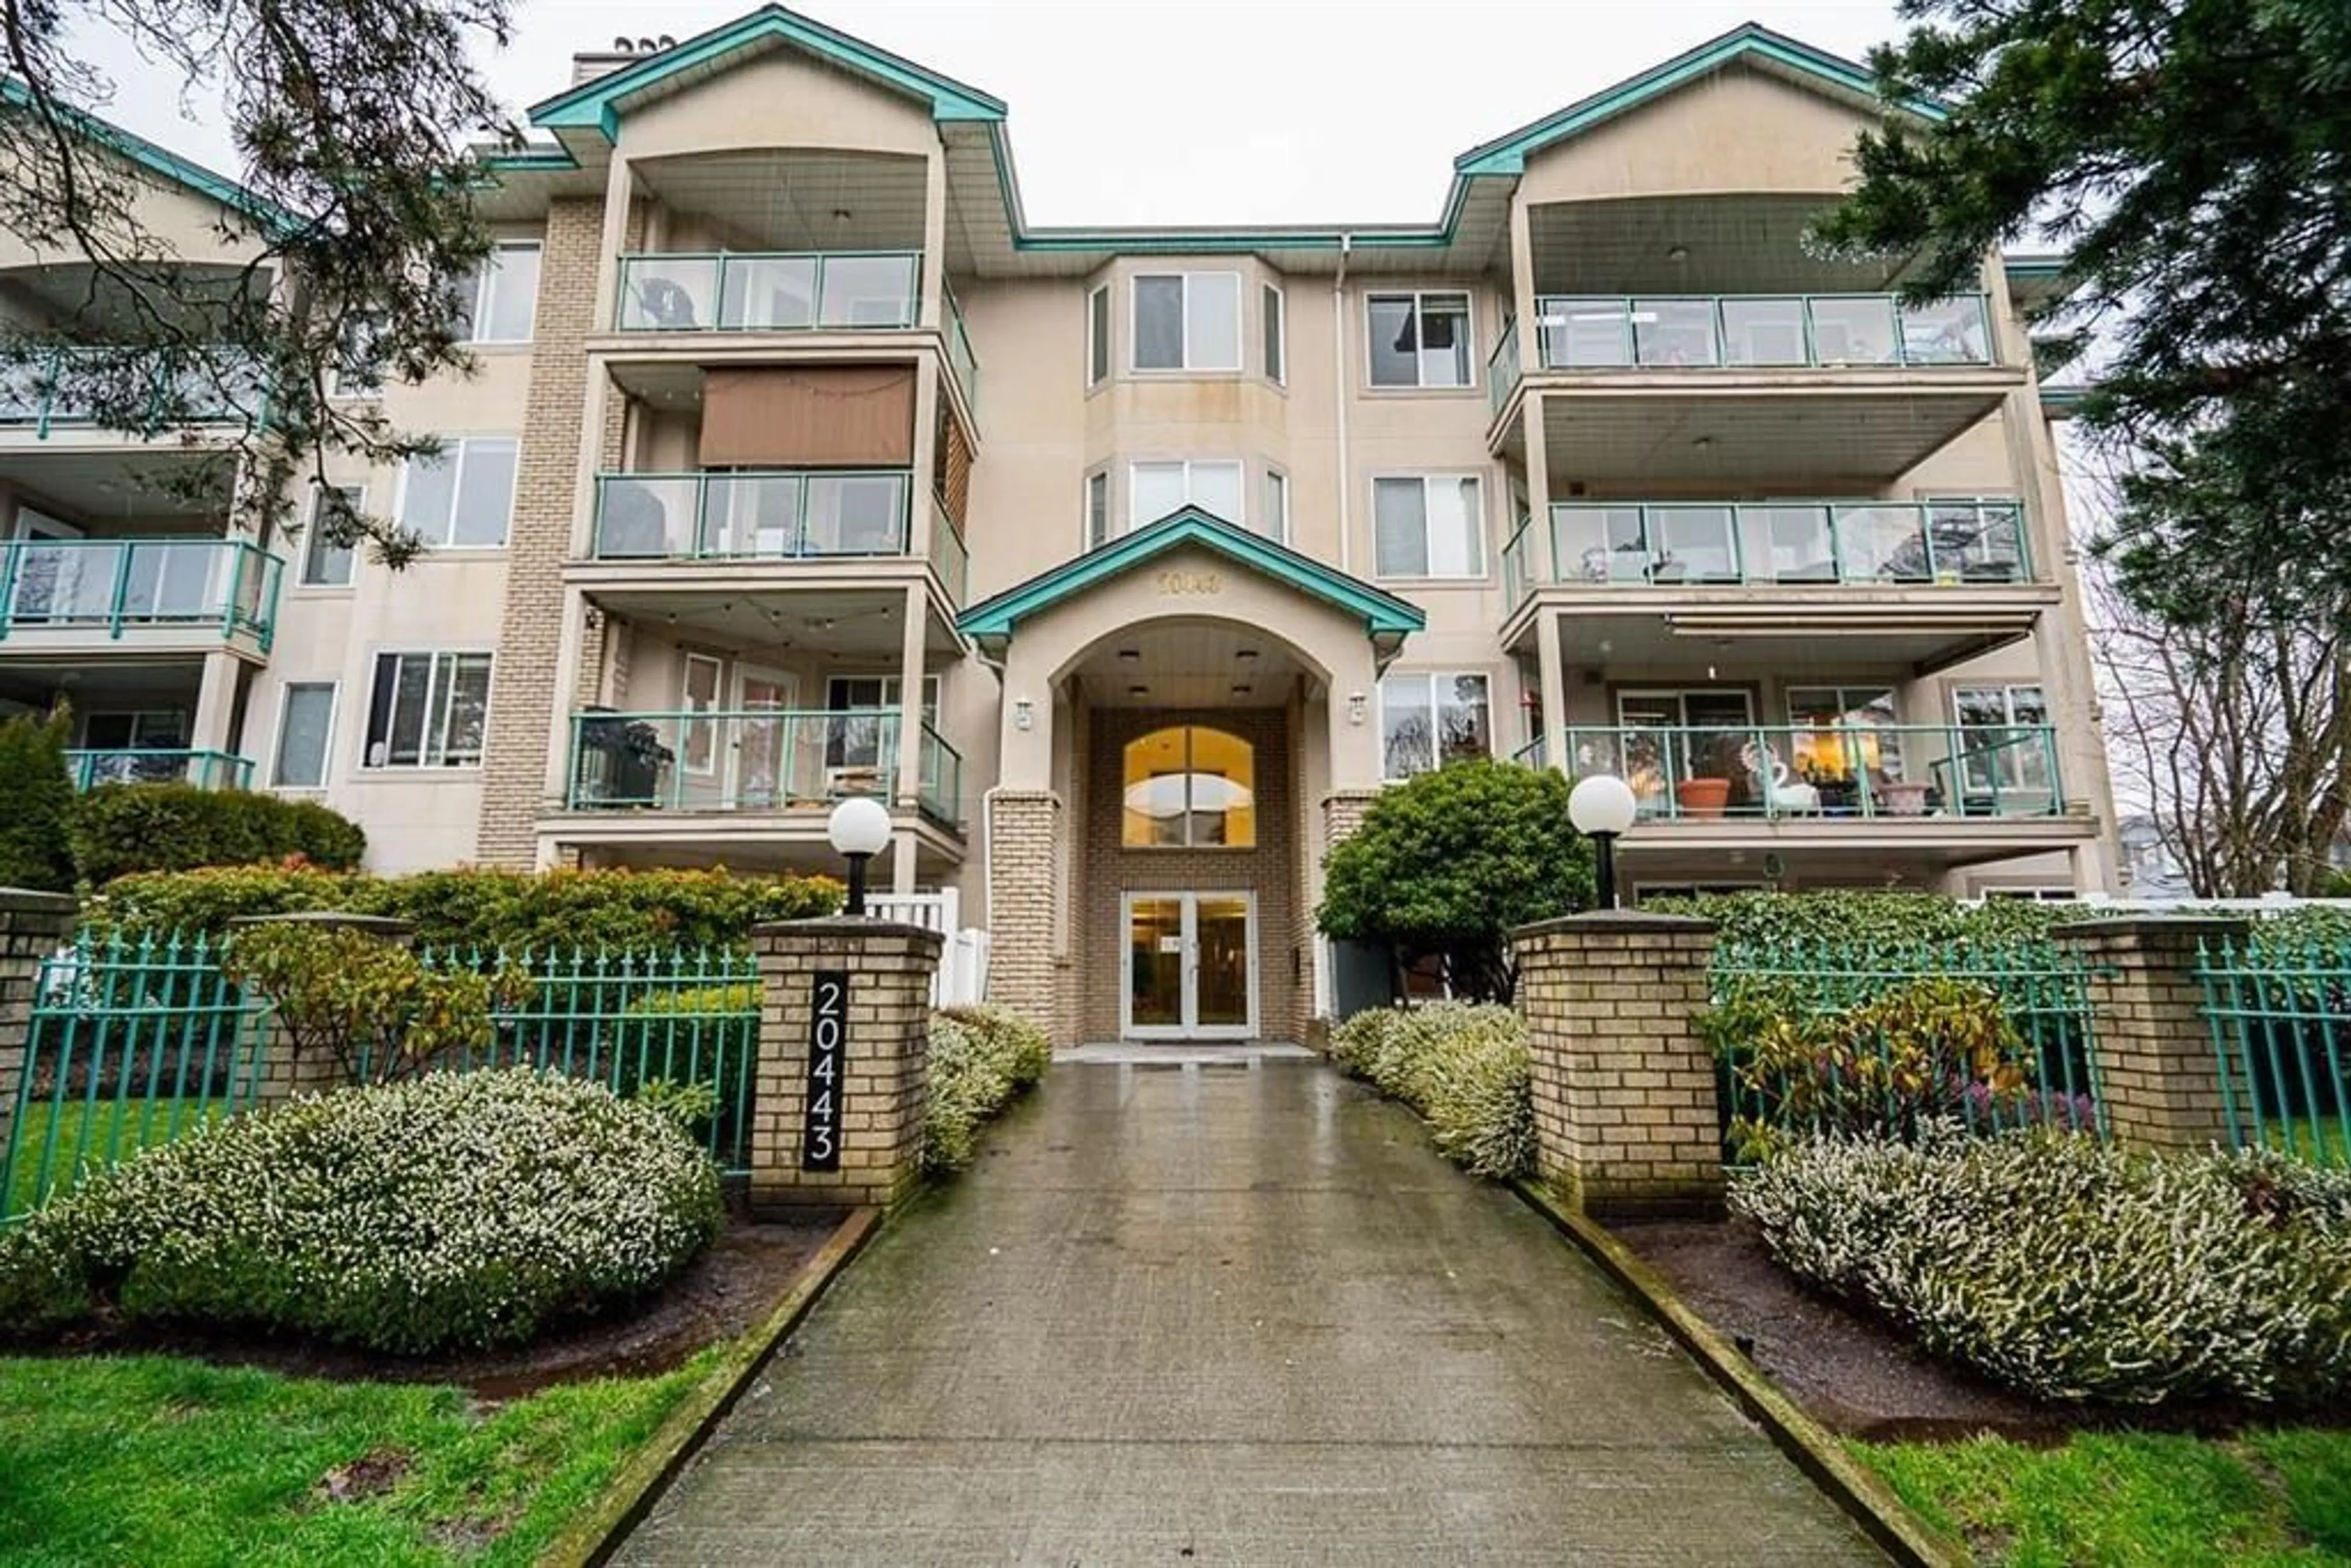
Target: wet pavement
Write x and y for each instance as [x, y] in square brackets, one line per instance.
[1231, 1313]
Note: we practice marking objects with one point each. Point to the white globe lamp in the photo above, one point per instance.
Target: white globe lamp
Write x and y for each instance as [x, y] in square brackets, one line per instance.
[1602, 807]
[860, 830]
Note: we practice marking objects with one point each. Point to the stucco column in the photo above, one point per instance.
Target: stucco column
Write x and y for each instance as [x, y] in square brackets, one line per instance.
[1553, 668]
[2157, 1072]
[31, 926]
[216, 703]
[1623, 1086]
[907, 790]
[844, 1042]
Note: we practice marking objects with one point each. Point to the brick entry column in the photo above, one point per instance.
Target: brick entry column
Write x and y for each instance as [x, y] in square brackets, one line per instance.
[1623, 1086]
[2158, 1074]
[872, 1135]
[1025, 844]
[31, 926]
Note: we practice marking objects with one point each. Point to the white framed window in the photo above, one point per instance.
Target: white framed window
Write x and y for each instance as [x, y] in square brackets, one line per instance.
[356, 370]
[1277, 345]
[1211, 484]
[461, 497]
[1097, 509]
[703, 679]
[2005, 761]
[1098, 336]
[1187, 321]
[1431, 717]
[306, 733]
[326, 564]
[494, 303]
[1422, 339]
[1428, 525]
[428, 710]
[1277, 505]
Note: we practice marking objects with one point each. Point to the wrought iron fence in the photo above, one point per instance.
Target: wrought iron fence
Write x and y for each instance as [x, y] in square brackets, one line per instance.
[1887, 1071]
[2280, 1008]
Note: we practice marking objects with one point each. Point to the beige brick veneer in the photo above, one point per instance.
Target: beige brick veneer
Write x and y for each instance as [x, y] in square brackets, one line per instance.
[1024, 862]
[1623, 1086]
[2158, 1077]
[888, 1044]
[522, 682]
[31, 926]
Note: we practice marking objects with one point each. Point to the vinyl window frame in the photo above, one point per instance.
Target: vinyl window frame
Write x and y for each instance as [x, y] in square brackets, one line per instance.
[1134, 323]
[1135, 517]
[486, 283]
[1273, 332]
[434, 692]
[458, 450]
[334, 690]
[1469, 383]
[302, 577]
[1099, 363]
[1430, 678]
[1481, 564]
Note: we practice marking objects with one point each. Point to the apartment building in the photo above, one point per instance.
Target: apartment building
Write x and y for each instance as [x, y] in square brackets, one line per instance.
[1128, 566]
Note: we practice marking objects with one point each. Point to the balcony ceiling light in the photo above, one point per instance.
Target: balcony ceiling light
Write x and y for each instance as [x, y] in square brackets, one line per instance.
[1677, 253]
[1138, 691]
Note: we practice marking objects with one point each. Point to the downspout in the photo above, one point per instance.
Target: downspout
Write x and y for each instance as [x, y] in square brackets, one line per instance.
[1340, 392]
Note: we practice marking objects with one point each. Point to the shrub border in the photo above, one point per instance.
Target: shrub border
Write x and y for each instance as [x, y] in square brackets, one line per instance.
[1869, 1502]
[631, 1495]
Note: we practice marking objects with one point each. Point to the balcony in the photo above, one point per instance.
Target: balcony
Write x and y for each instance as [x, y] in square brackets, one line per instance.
[1741, 544]
[205, 769]
[1739, 389]
[774, 762]
[63, 393]
[790, 291]
[166, 595]
[774, 515]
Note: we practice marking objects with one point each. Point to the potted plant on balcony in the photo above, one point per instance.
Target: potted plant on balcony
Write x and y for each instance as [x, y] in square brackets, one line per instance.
[1703, 798]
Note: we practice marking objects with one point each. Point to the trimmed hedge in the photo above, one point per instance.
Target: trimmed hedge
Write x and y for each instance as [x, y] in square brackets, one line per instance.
[478, 908]
[36, 802]
[1462, 1066]
[1850, 917]
[980, 1057]
[2070, 1269]
[455, 1209]
[119, 829]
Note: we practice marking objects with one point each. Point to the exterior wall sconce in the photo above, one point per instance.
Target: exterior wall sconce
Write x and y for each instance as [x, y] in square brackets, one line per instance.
[1355, 705]
[1024, 714]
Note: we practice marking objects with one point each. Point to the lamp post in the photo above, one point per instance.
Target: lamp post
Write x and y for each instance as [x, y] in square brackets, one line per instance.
[859, 829]
[1602, 807]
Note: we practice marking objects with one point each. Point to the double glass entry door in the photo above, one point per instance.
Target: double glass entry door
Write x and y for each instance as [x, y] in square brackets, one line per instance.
[1189, 966]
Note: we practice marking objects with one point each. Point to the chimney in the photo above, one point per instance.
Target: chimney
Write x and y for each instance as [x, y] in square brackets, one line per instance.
[590, 64]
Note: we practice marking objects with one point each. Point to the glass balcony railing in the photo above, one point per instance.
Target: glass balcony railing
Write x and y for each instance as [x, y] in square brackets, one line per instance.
[950, 557]
[136, 765]
[1517, 564]
[960, 358]
[1687, 543]
[1760, 332]
[57, 392]
[772, 515]
[1503, 368]
[752, 292]
[762, 759]
[116, 587]
[1825, 770]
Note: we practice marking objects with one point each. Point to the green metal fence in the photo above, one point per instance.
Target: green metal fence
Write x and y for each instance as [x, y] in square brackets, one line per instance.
[678, 1016]
[129, 1043]
[2280, 1011]
[2047, 1076]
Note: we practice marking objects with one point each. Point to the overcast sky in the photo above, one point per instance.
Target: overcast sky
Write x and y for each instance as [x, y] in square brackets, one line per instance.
[1145, 111]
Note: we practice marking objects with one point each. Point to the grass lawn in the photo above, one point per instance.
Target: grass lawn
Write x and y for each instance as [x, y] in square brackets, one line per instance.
[2322, 1140]
[2281, 1497]
[112, 1129]
[156, 1461]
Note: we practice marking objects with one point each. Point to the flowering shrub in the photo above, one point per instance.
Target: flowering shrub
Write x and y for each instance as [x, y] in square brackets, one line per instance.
[980, 1057]
[2070, 1269]
[1461, 1066]
[454, 1209]
[372, 1004]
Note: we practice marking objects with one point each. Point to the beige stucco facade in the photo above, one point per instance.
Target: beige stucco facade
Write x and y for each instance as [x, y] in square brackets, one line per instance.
[691, 658]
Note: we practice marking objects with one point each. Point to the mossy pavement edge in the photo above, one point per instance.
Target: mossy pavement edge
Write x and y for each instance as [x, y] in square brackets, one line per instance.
[1890, 1522]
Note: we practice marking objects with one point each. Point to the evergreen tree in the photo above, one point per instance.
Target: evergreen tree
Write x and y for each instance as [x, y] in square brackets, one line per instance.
[36, 802]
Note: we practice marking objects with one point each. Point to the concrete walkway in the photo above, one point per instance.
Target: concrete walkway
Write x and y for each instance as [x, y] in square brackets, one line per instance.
[1232, 1315]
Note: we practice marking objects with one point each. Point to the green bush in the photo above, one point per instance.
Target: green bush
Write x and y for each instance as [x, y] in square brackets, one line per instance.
[453, 1210]
[374, 1006]
[119, 829]
[37, 803]
[1462, 1066]
[2070, 1269]
[980, 1057]
[1446, 864]
[479, 908]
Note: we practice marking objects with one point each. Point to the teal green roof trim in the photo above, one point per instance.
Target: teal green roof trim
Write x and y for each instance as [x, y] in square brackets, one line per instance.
[1508, 154]
[531, 161]
[159, 161]
[1382, 613]
[596, 104]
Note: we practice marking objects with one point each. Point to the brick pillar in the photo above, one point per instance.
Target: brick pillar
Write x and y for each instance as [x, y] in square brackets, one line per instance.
[31, 926]
[885, 1049]
[2158, 1075]
[1024, 859]
[1623, 1086]
[285, 1072]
